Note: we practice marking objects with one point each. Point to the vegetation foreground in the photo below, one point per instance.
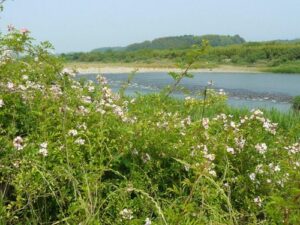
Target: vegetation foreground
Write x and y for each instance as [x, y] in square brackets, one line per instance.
[76, 153]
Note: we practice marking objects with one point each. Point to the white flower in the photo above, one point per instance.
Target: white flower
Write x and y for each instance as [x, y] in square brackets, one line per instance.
[43, 149]
[91, 88]
[232, 124]
[261, 148]
[146, 157]
[252, 176]
[257, 112]
[25, 77]
[148, 221]
[86, 99]
[230, 150]
[102, 80]
[68, 72]
[213, 173]
[80, 141]
[205, 122]
[10, 85]
[240, 142]
[44, 145]
[210, 157]
[126, 214]
[82, 126]
[1, 103]
[257, 201]
[277, 168]
[82, 110]
[18, 143]
[73, 132]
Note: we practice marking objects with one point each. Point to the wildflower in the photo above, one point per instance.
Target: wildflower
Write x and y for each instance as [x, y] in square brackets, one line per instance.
[213, 173]
[230, 150]
[277, 168]
[68, 72]
[82, 126]
[270, 127]
[86, 99]
[148, 221]
[261, 148]
[257, 112]
[10, 85]
[91, 88]
[18, 143]
[102, 80]
[259, 169]
[293, 149]
[16, 164]
[126, 214]
[10, 28]
[56, 90]
[80, 141]
[210, 157]
[146, 157]
[252, 176]
[25, 77]
[1, 103]
[257, 201]
[83, 110]
[205, 122]
[73, 133]
[240, 142]
[43, 149]
[22, 87]
[24, 31]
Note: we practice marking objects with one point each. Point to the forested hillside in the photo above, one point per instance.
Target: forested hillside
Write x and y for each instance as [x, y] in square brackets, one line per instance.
[186, 41]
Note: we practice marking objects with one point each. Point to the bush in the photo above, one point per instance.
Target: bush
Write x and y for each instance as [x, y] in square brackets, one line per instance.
[77, 153]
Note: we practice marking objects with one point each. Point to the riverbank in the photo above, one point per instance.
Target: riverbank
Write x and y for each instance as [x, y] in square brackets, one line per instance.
[87, 68]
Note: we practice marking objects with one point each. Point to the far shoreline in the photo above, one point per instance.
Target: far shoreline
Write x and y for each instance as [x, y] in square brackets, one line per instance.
[86, 68]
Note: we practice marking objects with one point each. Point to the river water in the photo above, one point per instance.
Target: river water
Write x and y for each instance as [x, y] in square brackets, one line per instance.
[250, 90]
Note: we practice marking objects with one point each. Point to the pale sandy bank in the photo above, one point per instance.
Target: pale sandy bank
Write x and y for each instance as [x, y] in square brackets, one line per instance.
[123, 69]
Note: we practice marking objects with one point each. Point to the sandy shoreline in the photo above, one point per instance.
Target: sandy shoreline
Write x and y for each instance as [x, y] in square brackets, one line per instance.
[122, 69]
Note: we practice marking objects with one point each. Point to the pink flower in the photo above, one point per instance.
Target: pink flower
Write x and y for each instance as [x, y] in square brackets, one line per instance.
[24, 31]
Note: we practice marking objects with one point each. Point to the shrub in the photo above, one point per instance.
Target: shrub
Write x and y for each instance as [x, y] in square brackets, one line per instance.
[77, 153]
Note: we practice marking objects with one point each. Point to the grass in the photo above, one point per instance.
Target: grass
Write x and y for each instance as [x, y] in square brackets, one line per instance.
[290, 67]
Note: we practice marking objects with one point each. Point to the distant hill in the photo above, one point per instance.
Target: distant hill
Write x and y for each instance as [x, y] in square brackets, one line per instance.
[186, 41]
[107, 49]
[178, 42]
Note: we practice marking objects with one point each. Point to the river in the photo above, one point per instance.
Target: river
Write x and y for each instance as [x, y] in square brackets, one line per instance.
[250, 90]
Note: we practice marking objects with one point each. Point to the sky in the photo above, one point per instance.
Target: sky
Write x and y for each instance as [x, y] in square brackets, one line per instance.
[83, 25]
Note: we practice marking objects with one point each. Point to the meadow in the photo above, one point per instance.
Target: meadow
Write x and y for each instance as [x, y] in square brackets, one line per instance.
[74, 152]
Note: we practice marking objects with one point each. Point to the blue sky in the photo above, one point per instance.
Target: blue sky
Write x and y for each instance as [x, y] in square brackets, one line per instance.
[82, 25]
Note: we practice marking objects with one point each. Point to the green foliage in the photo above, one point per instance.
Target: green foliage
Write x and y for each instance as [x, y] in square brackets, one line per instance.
[296, 103]
[186, 41]
[276, 56]
[76, 153]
